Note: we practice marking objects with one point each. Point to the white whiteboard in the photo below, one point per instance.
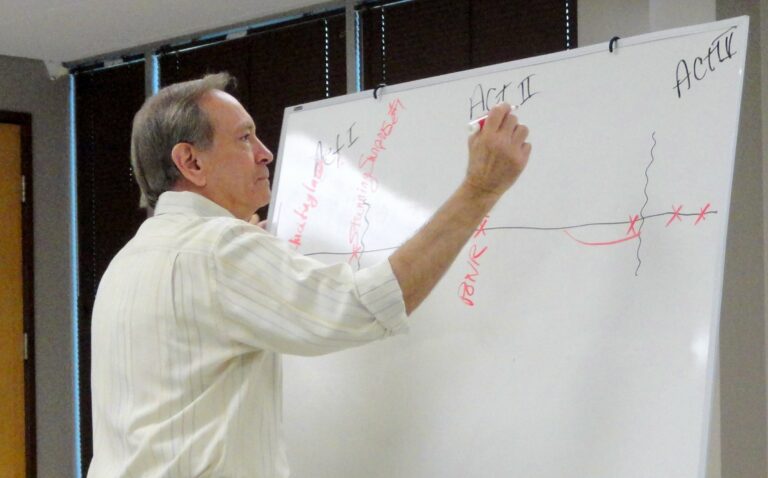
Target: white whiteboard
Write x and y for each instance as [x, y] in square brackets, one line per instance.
[595, 288]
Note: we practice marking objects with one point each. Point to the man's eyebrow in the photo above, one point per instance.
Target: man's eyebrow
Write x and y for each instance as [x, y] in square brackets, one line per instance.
[249, 125]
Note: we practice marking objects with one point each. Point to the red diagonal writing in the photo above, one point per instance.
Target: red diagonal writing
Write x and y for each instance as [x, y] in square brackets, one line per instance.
[481, 227]
[632, 221]
[675, 214]
[702, 214]
[607, 243]
[467, 288]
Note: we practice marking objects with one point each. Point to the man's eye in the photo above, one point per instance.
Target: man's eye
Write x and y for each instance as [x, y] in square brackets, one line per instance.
[245, 137]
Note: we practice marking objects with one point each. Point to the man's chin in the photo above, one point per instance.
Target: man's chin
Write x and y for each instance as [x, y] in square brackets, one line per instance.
[262, 202]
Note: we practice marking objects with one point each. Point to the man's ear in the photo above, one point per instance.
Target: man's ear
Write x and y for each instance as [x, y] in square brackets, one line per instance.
[185, 158]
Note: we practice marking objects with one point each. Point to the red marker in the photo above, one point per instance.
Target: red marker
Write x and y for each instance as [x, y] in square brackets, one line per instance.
[476, 125]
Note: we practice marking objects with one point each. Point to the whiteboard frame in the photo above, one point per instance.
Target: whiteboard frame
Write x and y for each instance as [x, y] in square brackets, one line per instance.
[741, 22]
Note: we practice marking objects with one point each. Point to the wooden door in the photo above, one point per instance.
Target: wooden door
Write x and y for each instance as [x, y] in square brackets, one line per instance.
[12, 404]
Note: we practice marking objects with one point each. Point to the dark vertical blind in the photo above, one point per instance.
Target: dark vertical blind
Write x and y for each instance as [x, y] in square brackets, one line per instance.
[405, 41]
[108, 197]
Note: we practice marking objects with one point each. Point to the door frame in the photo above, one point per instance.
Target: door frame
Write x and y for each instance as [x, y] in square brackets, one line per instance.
[24, 121]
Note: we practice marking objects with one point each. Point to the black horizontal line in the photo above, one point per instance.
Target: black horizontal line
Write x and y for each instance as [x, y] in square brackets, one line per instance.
[617, 223]
[530, 228]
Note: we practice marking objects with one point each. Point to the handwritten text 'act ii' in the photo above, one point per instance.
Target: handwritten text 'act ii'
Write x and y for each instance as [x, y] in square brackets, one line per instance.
[483, 97]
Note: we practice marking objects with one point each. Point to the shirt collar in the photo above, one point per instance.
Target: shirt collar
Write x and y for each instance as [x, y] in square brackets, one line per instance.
[189, 203]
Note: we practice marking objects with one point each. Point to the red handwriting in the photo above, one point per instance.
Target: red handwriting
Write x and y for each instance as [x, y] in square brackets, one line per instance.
[606, 243]
[481, 228]
[310, 201]
[323, 157]
[369, 183]
[702, 214]
[634, 233]
[632, 221]
[675, 215]
[387, 127]
[467, 286]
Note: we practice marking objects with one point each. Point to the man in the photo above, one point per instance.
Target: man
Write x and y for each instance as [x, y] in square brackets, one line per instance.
[193, 313]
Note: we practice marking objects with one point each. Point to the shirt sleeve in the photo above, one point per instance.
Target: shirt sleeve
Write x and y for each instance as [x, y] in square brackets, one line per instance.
[273, 298]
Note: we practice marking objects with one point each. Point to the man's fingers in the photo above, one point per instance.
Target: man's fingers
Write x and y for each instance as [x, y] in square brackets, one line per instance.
[497, 117]
[520, 133]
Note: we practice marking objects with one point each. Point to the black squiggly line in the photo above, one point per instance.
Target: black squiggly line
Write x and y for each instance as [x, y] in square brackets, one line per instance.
[642, 209]
[363, 233]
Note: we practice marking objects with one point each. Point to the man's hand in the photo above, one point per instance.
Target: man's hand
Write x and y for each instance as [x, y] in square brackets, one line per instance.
[498, 152]
[497, 155]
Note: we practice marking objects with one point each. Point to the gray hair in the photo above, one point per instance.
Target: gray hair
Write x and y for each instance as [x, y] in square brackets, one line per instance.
[171, 116]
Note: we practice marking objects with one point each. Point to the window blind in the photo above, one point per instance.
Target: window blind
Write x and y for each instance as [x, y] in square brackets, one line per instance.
[405, 41]
[107, 197]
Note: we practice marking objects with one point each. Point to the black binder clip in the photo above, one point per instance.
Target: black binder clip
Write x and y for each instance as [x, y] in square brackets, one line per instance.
[614, 43]
[376, 90]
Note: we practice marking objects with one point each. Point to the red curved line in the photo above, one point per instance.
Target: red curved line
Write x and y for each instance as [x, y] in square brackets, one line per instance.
[609, 243]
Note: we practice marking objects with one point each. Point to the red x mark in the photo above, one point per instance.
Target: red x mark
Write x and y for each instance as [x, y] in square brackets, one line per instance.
[356, 250]
[631, 229]
[701, 214]
[675, 214]
[481, 227]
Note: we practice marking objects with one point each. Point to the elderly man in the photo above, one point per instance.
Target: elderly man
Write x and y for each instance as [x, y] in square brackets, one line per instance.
[193, 313]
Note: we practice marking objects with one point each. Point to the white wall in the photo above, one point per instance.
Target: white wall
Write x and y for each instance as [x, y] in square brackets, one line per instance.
[742, 338]
[738, 439]
[665, 14]
[764, 102]
[601, 20]
[26, 87]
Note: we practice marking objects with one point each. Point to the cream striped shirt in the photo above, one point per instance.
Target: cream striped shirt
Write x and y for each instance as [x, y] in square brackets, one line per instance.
[188, 326]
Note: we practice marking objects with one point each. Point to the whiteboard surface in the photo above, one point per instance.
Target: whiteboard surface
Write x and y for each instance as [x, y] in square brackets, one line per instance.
[575, 335]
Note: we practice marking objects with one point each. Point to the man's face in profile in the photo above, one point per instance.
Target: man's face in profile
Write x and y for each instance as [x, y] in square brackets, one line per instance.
[237, 176]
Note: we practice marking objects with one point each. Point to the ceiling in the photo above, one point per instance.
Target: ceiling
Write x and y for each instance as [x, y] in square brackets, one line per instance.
[68, 31]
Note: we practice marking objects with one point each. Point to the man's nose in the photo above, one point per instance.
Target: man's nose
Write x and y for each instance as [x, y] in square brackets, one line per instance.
[262, 154]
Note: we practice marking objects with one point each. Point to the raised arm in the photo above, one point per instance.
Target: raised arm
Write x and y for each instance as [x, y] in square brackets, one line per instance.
[497, 155]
